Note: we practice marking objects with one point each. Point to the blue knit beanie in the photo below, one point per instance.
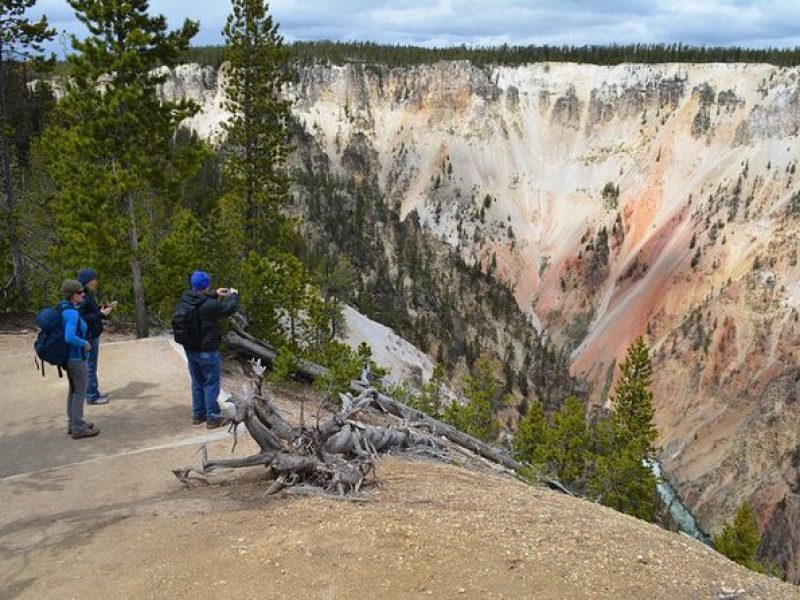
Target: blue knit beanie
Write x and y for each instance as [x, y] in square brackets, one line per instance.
[86, 275]
[199, 280]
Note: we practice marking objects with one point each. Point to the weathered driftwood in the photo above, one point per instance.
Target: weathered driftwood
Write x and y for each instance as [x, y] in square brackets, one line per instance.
[392, 406]
[251, 347]
[254, 348]
[334, 456]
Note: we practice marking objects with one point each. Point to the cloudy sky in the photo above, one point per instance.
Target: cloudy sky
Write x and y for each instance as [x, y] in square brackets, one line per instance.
[755, 23]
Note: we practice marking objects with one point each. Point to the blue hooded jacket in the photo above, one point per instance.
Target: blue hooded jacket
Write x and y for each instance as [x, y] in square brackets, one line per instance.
[74, 331]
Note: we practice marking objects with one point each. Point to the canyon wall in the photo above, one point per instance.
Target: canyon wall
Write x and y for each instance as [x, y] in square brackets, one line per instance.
[655, 200]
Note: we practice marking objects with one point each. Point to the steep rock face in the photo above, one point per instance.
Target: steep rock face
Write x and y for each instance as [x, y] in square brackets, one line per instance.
[614, 201]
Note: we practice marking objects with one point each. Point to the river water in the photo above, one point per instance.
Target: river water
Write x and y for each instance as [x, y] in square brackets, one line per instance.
[677, 510]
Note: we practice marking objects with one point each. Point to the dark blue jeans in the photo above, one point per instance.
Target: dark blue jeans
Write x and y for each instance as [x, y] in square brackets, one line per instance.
[92, 387]
[204, 367]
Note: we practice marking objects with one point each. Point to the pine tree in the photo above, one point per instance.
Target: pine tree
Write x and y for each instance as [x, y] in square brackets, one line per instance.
[20, 42]
[533, 438]
[260, 287]
[633, 401]
[431, 396]
[344, 366]
[294, 291]
[483, 393]
[620, 476]
[254, 233]
[562, 449]
[570, 445]
[181, 251]
[317, 325]
[739, 540]
[112, 152]
[335, 279]
[256, 147]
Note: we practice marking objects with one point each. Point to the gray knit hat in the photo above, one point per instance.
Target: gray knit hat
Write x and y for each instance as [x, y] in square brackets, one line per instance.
[70, 286]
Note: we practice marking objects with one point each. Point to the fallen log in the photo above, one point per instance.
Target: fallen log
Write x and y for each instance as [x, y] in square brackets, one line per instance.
[251, 347]
[402, 411]
[335, 456]
[256, 349]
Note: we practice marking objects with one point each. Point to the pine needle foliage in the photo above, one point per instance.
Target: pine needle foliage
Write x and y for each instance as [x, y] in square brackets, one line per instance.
[606, 460]
[111, 149]
[739, 539]
[256, 147]
[21, 45]
[483, 392]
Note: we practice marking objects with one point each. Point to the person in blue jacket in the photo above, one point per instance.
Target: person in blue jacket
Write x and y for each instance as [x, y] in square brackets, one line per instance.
[75, 334]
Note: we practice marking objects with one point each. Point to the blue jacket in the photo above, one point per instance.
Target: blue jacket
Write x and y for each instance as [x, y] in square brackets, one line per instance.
[74, 331]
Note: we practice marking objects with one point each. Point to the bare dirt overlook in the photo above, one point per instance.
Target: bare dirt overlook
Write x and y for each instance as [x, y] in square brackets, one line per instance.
[113, 514]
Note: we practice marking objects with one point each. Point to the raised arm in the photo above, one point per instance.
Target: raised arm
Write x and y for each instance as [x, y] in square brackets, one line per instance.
[230, 306]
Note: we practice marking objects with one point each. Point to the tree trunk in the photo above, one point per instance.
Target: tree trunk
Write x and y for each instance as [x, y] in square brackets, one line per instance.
[254, 348]
[337, 454]
[136, 272]
[14, 244]
[250, 346]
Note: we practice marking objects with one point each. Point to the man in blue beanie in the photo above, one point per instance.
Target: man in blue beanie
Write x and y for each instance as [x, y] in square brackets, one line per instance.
[194, 323]
[93, 315]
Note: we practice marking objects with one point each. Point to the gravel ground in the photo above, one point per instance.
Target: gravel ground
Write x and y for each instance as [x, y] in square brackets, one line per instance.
[426, 530]
[106, 518]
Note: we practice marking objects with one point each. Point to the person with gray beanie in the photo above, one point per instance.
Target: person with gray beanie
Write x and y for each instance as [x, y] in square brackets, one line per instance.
[75, 335]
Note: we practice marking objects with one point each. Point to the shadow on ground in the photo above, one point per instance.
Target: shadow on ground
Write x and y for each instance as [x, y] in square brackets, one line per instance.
[125, 426]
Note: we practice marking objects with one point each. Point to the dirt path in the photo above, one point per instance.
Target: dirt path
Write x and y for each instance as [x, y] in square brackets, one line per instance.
[105, 518]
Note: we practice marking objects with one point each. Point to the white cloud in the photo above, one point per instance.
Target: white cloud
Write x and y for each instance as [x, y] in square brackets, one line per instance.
[414, 15]
[444, 22]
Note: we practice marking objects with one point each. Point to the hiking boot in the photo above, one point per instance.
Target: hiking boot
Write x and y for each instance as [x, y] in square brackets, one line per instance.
[85, 433]
[89, 425]
[198, 420]
[214, 423]
[101, 399]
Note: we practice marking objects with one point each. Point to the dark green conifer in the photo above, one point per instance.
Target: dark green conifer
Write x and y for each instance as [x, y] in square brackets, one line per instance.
[739, 540]
[632, 401]
[21, 42]
[111, 150]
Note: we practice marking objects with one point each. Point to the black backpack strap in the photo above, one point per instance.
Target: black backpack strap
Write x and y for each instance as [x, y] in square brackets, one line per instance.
[197, 319]
[198, 322]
